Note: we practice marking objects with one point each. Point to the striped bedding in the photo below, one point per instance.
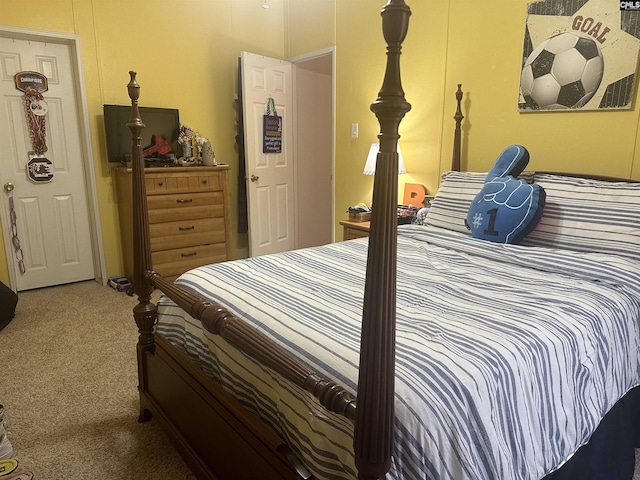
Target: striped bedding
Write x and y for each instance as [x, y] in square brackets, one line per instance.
[507, 356]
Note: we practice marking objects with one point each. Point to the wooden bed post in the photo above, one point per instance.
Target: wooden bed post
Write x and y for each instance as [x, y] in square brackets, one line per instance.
[375, 416]
[458, 117]
[144, 312]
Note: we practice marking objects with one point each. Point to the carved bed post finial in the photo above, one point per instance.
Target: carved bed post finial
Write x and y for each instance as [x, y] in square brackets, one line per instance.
[458, 117]
[375, 416]
[145, 311]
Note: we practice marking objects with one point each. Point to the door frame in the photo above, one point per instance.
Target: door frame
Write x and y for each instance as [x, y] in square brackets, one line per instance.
[294, 61]
[73, 42]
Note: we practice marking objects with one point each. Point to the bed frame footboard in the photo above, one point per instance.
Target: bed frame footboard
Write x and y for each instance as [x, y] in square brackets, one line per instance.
[217, 437]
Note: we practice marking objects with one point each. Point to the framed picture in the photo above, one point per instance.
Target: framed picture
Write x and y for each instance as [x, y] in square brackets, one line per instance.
[579, 55]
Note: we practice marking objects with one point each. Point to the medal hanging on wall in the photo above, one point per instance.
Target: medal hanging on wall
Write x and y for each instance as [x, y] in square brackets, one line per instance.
[33, 84]
[36, 109]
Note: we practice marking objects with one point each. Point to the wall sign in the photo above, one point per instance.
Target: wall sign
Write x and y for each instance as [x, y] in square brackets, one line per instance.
[272, 129]
[39, 169]
[31, 81]
[579, 55]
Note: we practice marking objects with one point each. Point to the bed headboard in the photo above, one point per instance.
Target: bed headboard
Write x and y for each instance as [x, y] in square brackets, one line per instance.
[457, 134]
[457, 149]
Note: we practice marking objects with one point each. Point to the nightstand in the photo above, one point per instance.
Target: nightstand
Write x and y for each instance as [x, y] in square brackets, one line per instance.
[354, 229]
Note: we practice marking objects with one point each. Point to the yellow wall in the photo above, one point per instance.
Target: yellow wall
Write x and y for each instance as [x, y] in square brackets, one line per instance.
[310, 26]
[186, 55]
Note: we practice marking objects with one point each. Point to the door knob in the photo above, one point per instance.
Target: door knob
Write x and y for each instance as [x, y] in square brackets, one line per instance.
[254, 178]
[8, 187]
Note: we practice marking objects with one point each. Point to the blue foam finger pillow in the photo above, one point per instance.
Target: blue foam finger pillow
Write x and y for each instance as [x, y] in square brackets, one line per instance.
[506, 209]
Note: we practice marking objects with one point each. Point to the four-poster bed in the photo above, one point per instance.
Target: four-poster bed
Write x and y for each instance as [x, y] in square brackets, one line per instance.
[223, 413]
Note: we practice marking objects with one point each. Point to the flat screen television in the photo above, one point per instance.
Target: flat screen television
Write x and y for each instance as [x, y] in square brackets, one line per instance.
[163, 122]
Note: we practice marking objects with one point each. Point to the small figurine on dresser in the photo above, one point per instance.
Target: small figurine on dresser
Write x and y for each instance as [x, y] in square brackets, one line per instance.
[185, 139]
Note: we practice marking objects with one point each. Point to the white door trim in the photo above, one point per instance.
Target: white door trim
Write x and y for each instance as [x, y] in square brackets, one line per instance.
[73, 41]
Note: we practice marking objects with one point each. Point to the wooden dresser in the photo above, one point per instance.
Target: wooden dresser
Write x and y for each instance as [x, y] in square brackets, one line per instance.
[189, 217]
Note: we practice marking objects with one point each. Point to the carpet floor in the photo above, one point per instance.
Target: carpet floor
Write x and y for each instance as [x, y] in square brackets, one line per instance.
[69, 380]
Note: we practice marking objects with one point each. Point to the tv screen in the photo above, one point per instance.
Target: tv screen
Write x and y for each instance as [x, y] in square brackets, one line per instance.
[162, 122]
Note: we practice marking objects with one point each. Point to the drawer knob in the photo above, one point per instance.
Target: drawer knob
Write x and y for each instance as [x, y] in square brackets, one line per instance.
[204, 182]
[192, 254]
[184, 200]
[159, 184]
[184, 229]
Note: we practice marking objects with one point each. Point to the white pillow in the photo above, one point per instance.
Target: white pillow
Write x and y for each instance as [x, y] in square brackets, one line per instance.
[589, 216]
[450, 205]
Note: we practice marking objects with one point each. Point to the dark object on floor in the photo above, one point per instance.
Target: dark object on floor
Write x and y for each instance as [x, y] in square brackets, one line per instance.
[8, 302]
[121, 284]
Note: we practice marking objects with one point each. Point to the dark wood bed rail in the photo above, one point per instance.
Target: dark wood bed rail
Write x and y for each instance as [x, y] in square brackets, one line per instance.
[219, 321]
[374, 415]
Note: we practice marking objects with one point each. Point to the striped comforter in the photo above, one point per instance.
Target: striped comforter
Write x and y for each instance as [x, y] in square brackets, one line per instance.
[507, 356]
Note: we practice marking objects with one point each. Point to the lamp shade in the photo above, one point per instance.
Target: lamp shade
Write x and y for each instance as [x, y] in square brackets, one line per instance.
[370, 166]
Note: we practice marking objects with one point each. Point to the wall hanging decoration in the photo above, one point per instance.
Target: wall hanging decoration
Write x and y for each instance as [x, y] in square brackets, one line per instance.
[272, 129]
[33, 84]
[579, 55]
[15, 240]
[39, 169]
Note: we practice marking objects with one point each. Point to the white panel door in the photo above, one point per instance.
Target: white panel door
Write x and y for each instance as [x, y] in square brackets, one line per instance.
[270, 176]
[52, 219]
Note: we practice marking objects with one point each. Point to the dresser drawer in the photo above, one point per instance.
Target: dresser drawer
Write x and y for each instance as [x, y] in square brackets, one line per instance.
[351, 234]
[181, 200]
[168, 235]
[353, 230]
[176, 214]
[176, 261]
[158, 184]
[175, 207]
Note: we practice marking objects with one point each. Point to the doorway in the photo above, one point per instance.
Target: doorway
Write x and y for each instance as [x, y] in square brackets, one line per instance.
[314, 100]
[294, 210]
[54, 216]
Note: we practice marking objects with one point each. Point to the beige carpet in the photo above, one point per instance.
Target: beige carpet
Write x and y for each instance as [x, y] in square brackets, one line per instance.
[69, 389]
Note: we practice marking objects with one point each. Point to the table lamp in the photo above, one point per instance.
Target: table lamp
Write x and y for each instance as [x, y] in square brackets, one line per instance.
[370, 166]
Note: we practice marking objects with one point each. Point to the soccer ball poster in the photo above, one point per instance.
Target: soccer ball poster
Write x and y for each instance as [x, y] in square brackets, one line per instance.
[579, 55]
